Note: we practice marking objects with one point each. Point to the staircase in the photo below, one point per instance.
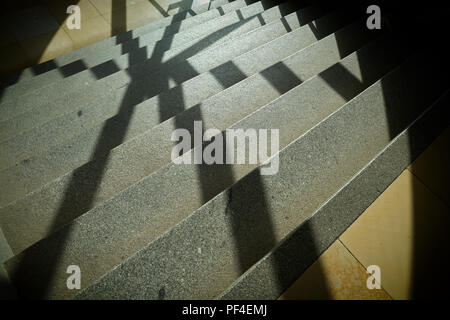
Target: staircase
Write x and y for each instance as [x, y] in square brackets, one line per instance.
[85, 164]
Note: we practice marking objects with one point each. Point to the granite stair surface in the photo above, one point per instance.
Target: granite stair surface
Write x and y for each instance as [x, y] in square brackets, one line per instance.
[87, 175]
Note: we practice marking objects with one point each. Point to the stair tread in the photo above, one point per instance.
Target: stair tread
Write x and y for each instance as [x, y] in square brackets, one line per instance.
[228, 244]
[314, 235]
[92, 182]
[23, 145]
[119, 205]
[29, 73]
[147, 47]
[154, 146]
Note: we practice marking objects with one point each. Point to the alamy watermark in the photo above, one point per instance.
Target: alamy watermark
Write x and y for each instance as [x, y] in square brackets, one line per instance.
[228, 147]
[74, 280]
[74, 20]
[374, 280]
[374, 20]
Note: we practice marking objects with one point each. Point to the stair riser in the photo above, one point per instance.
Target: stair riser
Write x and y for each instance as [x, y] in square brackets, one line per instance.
[248, 220]
[183, 47]
[151, 84]
[153, 149]
[76, 151]
[115, 241]
[30, 73]
[128, 53]
[136, 92]
[274, 273]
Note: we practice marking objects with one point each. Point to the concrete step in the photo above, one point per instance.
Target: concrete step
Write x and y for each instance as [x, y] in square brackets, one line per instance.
[239, 227]
[176, 20]
[24, 178]
[150, 85]
[106, 235]
[152, 57]
[152, 150]
[23, 145]
[280, 267]
[126, 53]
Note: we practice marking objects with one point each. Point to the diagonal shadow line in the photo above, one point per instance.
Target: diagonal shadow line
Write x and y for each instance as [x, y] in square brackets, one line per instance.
[140, 54]
[253, 248]
[182, 5]
[342, 86]
[428, 253]
[137, 93]
[248, 250]
[32, 63]
[215, 178]
[145, 70]
[421, 286]
[155, 86]
[283, 84]
[42, 287]
[204, 171]
[114, 131]
[159, 8]
[151, 64]
[77, 66]
[72, 190]
[185, 54]
[98, 174]
[202, 44]
[71, 196]
[345, 86]
[247, 208]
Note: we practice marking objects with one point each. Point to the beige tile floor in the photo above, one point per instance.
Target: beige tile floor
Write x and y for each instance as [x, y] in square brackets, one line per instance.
[35, 31]
[404, 232]
[335, 275]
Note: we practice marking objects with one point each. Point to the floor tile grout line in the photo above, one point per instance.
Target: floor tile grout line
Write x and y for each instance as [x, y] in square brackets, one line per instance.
[95, 8]
[77, 47]
[71, 40]
[359, 262]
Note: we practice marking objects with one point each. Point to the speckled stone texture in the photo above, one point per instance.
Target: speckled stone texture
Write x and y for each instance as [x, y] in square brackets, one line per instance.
[147, 148]
[262, 209]
[245, 222]
[152, 150]
[104, 106]
[177, 21]
[149, 58]
[274, 273]
[104, 62]
[6, 289]
[67, 115]
[86, 162]
[154, 83]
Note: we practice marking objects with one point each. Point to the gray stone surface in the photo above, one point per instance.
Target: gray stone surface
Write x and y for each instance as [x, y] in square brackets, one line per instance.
[139, 157]
[274, 273]
[5, 250]
[73, 56]
[130, 52]
[6, 289]
[242, 224]
[152, 57]
[142, 227]
[152, 84]
[42, 168]
[142, 87]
